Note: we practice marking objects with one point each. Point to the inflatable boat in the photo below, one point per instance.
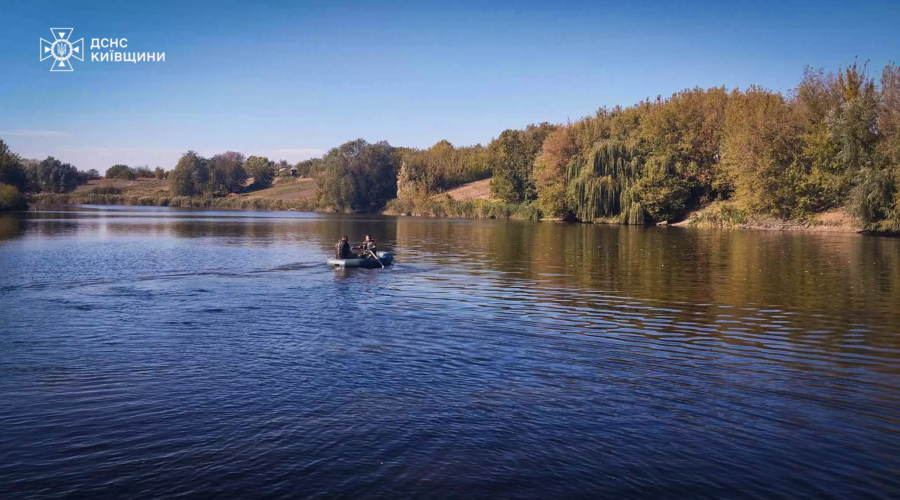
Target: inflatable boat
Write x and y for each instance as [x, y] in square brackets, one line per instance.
[369, 263]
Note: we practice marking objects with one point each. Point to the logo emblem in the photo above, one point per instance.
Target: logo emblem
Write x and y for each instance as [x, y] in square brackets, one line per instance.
[61, 49]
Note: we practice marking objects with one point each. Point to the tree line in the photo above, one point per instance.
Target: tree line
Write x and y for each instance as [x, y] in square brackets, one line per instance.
[20, 175]
[833, 141]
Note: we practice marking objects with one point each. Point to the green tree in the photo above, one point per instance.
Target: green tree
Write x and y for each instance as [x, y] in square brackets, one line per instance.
[12, 172]
[889, 125]
[358, 176]
[53, 176]
[599, 183]
[661, 191]
[550, 172]
[190, 175]
[511, 158]
[120, 171]
[11, 198]
[143, 172]
[443, 166]
[854, 128]
[762, 149]
[889, 115]
[262, 170]
[31, 172]
[226, 174]
[309, 168]
[826, 182]
[684, 133]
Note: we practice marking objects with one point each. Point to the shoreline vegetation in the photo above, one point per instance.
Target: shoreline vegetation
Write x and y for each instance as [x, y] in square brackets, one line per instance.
[718, 215]
[824, 156]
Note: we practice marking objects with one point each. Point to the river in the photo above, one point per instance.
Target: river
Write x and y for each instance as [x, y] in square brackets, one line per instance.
[153, 352]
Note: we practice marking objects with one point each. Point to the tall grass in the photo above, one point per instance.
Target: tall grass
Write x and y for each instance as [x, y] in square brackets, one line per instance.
[239, 203]
[445, 206]
[719, 215]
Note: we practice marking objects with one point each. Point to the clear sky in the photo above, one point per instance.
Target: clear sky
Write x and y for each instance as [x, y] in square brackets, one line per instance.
[293, 79]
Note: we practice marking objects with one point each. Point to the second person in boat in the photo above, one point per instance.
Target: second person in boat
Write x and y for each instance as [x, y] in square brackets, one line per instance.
[342, 249]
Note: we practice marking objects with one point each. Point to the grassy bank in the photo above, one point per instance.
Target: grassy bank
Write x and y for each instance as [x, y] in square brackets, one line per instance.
[445, 206]
[231, 202]
[299, 196]
[729, 215]
[285, 194]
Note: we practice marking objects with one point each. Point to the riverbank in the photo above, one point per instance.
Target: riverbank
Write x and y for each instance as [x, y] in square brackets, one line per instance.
[728, 215]
[228, 202]
[286, 193]
[469, 201]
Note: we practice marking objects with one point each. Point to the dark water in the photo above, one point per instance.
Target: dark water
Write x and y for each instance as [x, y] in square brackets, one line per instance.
[156, 353]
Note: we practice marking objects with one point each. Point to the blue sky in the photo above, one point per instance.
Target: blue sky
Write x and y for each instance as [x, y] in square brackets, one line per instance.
[292, 79]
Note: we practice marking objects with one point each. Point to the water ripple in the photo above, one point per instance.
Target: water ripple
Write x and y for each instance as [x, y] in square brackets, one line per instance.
[183, 355]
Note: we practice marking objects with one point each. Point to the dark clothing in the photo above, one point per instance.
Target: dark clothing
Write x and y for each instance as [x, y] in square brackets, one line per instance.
[342, 250]
[367, 247]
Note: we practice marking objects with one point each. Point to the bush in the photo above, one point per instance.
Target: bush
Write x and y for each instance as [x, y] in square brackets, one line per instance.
[445, 206]
[143, 172]
[105, 190]
[719, 215]
[11, 198]
[123, 172]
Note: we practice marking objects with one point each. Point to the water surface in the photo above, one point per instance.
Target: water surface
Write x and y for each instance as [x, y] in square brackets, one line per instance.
[149, 352]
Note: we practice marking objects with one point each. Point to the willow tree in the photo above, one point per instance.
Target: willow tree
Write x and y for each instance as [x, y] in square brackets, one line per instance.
[600, 181]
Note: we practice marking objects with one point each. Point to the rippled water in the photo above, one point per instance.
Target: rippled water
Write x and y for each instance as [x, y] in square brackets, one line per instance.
[163, 353]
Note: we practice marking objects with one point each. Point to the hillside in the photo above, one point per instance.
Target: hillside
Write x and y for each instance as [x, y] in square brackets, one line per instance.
[284, 188]
[287, 188]
[137, 187]
[478, 190]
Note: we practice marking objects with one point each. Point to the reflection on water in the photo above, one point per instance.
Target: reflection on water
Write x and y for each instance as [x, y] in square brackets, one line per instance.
[158, 352]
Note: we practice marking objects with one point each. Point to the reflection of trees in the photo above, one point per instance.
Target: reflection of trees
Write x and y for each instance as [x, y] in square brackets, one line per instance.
[323, 232]
[53, 227]
[10, 226]
[849, 278]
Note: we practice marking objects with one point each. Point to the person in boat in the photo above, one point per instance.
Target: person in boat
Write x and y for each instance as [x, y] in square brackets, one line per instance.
[367, 246]
[342, 249]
